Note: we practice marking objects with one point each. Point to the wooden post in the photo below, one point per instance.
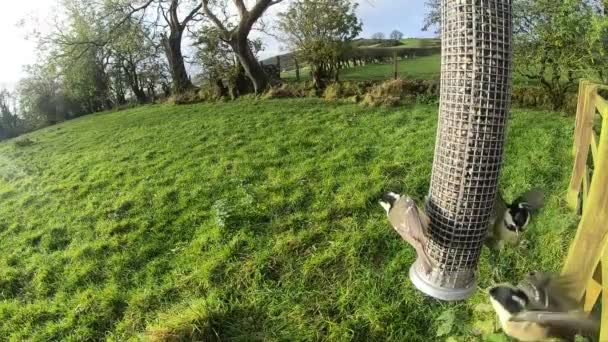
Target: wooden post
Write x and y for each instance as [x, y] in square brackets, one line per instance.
[395, 66]
[584, 129]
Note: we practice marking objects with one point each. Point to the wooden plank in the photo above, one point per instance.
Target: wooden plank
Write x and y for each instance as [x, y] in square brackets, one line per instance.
[593, 146]
[585, 186]
[586, 250]
[580, 106]
[604, 320]
[602, 105]
[594, 289]
[583, 138]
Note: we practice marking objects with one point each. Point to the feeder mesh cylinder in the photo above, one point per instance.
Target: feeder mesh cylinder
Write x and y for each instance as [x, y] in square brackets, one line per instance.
[475, 102]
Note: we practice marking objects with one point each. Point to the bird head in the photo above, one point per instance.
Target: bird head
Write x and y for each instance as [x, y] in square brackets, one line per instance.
[517, 217]
[388, 200]
[508, 300]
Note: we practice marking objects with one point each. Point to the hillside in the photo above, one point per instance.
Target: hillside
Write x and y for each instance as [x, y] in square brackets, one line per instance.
[243, 221]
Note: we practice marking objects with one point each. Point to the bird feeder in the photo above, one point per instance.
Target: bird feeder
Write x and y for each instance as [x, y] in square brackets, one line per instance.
[476, 72]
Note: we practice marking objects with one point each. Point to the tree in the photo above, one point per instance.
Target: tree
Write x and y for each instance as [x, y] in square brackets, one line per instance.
[378, 35]
[236, 34]
[319, 30]
[40, 95]
[172, 43]
[81, 61]
[134, 53]
[597, 41]
[9, 121]
[550, 44]
[396, 35]
[221, 67]
[433, 16]
[159, 19]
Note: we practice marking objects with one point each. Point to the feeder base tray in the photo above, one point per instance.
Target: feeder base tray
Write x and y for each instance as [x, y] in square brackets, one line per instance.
[442, 293]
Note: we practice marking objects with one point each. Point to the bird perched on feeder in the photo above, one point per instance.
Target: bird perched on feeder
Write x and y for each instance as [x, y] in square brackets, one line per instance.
[540, 308]
[409, 222]
[509, 221]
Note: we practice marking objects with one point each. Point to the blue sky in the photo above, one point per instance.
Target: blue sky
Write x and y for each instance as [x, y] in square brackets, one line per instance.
[386, 15]
[377, 16]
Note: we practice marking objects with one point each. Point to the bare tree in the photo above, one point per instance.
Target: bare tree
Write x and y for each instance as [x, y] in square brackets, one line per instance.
[237, 35]
[396, 35]
[172, 44]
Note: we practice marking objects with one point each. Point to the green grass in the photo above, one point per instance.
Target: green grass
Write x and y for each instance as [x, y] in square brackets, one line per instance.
[427, 67]
[244, 221]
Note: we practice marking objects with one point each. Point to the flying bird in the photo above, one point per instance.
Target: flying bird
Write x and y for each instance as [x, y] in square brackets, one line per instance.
[540, 308]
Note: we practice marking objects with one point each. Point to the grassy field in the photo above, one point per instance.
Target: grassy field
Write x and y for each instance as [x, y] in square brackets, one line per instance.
[245, 221]
[427, 67]
[421, 42]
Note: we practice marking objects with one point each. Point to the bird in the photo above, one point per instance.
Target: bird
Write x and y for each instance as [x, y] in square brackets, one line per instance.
[510, 220]
[411, 223]
[540, 308]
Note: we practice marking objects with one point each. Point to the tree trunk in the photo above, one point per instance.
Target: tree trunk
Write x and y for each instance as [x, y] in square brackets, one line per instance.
[173, 50]
[297, 70]
[395, 67]
[250, 64]
[130, 70]
[279, 65]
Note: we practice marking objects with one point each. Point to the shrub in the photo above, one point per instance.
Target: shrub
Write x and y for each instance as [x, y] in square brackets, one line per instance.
[210, 93]
[188, 97]
[388, 93]
[538, 97]
[287, 90]
[332, 92]
[346, 90]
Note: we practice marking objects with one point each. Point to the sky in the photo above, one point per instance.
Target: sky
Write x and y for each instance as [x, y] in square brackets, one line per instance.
[377, 16]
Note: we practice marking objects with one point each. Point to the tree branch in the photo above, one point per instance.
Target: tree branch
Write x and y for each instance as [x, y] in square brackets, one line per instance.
[256, 12]
[191, 15]
[240, 5]
[207, 11]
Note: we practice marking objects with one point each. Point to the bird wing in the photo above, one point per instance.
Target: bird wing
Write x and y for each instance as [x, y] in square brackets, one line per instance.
[498, 213]
[562, 322]
[407, 221]
[534, 198]
[550, 292]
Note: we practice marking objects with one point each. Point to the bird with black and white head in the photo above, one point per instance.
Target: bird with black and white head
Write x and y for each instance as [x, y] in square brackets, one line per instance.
[540, 308]
[510, 221]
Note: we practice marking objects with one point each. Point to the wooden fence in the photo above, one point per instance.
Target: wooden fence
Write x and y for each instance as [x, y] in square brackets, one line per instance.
[587, 260]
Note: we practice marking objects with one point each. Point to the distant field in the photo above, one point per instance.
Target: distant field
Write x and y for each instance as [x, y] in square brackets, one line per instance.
[421, 42]
[246, 221]
[428, 67]
[420, 68]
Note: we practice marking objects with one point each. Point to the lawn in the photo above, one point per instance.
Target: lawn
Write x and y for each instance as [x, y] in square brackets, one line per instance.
[248, 220]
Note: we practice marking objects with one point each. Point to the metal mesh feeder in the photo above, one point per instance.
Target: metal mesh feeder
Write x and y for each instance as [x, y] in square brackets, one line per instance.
[475, 100]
